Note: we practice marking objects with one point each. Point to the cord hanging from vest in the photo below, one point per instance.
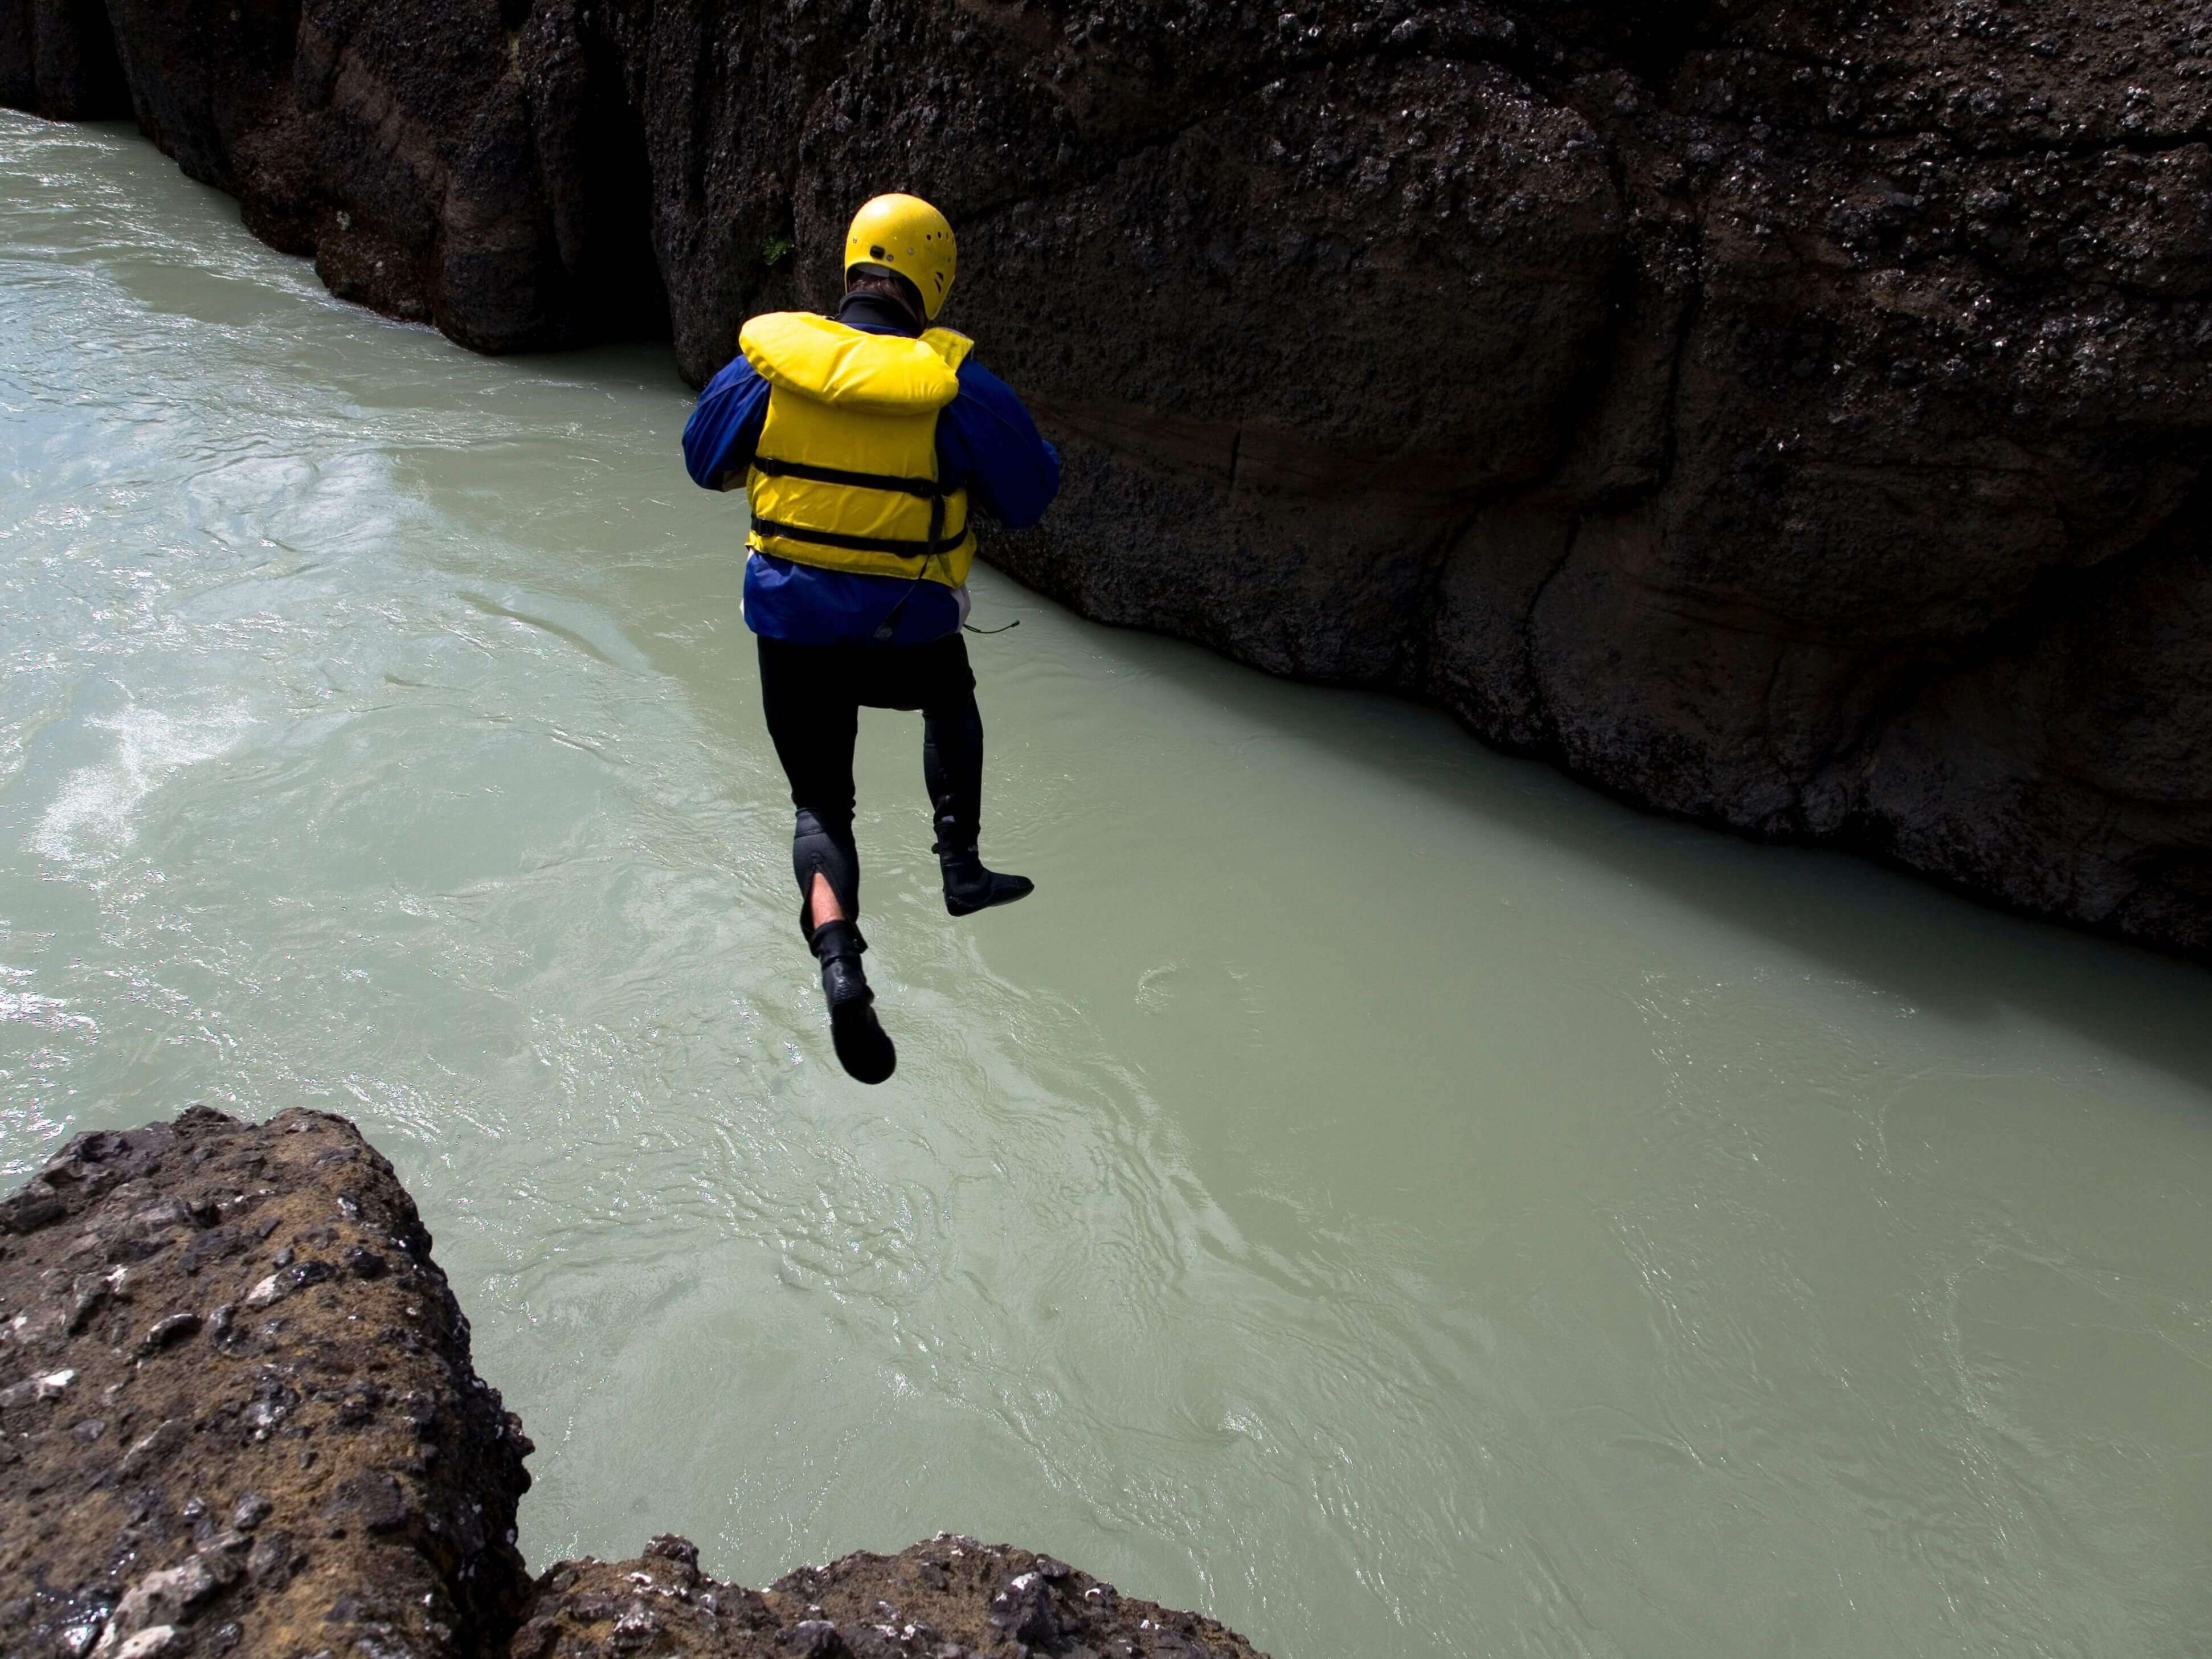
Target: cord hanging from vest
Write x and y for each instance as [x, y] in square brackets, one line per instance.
[890, 629]
[986, 633]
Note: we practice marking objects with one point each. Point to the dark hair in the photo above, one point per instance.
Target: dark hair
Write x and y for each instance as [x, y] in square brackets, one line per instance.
[863, 280]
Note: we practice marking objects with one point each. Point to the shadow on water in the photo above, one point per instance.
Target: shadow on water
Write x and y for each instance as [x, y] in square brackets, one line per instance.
[1896, 933]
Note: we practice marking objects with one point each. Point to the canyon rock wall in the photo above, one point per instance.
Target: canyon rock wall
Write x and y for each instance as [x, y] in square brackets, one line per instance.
[1791, 416]
[58, 59]
[238, 1416]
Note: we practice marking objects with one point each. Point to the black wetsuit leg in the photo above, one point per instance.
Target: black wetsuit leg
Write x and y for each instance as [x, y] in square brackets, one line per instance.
[812, 694]
[814, 719]
[952, 767]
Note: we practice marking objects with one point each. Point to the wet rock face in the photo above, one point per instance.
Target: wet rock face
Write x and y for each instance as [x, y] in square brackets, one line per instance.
[237, 1413]
[58, 59]
[950, 1598]
[1793, 417]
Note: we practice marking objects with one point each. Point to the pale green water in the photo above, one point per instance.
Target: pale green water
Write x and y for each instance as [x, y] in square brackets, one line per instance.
[1639, 1244]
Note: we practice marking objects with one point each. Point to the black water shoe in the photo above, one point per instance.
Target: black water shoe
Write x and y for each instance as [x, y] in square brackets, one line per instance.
[863, 1048]
[968, 887]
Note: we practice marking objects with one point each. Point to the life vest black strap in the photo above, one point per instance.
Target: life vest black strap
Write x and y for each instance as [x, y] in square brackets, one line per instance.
[897, 546]
[925, 488]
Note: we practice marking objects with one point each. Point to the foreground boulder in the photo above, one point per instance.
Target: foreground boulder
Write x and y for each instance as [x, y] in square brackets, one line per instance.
[1795, 417]
[236, 1406]
[238, 1416]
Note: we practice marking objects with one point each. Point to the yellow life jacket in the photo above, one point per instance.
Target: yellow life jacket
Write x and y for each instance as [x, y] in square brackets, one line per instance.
[844, 477]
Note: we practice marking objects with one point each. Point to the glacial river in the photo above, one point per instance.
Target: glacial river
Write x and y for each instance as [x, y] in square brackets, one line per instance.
[1377, 1191]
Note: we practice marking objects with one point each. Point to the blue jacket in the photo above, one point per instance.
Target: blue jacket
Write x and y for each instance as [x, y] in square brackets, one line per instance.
[986, 442]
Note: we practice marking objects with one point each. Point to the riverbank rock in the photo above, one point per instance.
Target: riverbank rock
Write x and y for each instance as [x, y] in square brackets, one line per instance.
[1792, 417]
[237, 1413]
[238, 1416]
[950, 1598]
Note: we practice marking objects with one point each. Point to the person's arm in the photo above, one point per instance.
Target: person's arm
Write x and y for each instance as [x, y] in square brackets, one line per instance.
[719, 437]
[986, 438]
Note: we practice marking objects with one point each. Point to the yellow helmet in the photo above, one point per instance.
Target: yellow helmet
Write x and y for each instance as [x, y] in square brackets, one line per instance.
[906, 235]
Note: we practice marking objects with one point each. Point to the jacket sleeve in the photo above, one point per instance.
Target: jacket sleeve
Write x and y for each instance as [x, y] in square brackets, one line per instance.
[986, 439]
[719, 437]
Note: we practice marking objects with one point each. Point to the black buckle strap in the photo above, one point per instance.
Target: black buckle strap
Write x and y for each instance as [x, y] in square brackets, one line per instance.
[897, 547]
[925, 488]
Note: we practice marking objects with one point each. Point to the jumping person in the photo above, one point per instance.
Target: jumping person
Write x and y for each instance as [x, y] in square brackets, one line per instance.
[867, 445]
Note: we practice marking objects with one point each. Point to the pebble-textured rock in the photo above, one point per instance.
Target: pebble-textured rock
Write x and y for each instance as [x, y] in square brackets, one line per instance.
[238, 1416]
[1791, 416]
[950, 1598]
[237, 1413]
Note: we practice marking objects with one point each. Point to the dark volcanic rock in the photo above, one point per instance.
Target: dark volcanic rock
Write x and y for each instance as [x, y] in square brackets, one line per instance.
[1793, 417]
[58, 59]
[212, 1441]
[950, 1598]
[250, 1458]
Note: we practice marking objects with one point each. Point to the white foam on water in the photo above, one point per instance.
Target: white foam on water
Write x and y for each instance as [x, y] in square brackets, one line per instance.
[94, 817]
[21, 1007]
